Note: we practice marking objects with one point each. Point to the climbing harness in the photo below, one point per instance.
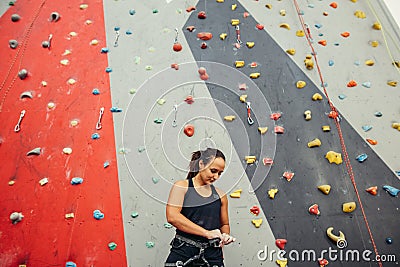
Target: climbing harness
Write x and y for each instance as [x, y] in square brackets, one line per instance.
[98, 124]
[175, 112]
[238, 40]
[18, 126]
[213, 243]
[249, 119]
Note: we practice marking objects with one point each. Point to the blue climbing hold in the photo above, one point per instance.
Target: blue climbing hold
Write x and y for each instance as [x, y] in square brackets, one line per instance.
[342, 96]
[76, 180]
[393, 191]
[366, 84]
[310, 5]
[336, 44]
[331, 62]
[362, 157]
[320, 34]
[106, 164]
[96, 91]
[398, 173]
[98, 215]
[366, 128]
[70, 264]
[128, 32]
[104, 50]
[357, 63]
[388, 240]
[95, 136]
[108, 69]
[116, 28]
[318, 26]
[132, 12]
[115, 109]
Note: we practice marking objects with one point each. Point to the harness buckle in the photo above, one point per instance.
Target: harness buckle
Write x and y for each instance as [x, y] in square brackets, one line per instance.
[215, 243]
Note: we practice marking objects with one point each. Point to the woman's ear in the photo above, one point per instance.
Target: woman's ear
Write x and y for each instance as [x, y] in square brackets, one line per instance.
[201, 165]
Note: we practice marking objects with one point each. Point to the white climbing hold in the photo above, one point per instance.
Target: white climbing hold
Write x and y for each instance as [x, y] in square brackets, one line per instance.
[67, 150]
[16, 217]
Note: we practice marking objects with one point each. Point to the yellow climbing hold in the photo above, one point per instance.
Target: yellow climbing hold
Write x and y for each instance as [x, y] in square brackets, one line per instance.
[377, 26]
[69, 215]
[239, 64]
[396, 125]
[262, 130]
[272, 192]
[233, 7]
[285, 26]
[307, 115]
[250, 44]
[250, 159]
[236, 193]
[300, 84]
[222, 36]
[354, 1]
[220, 1]
[94, 42]
[235, 22]
[325, 189]
[314, 143]
[334, 157]
[71, 81]
[83, 6]
[374, 43]
[300, 33]
[282, 12]
[64, 62]
[326, 128]
[269, 6]
[243, 98]
[316, 96]
[282, 263]
[308, 62]
[229, 118]
[360, 14]
[257, 222]
[255, 75]
[349, 207]
[369, 62]
[392, 83]
[396, 63]
[291, 51]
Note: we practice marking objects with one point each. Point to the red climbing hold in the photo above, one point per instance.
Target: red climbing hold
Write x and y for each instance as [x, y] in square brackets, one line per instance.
[352, 83]
[267, 161]
[314, 209]
[175, 66]
[275, 116]
[373, 190]
[279, 129]
[333, 114]
[177, 47]
[253, 65]
[255, 210]
[201, 15]
[205, 36]
[190, 9]
[322, 42]
[333, 4]
[203, 73]
[260, 26]
[280, 243]
[288, 176]
[189, 130]
[203, 45]
[189, 99]
[246, 14]
[323, 262]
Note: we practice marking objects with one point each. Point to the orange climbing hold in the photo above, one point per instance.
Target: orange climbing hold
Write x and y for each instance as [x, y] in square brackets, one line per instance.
[333, 4]
[190, 9]
[373, 190]
[352, 83]
[372, 141]
[345, 34]
[205, 36]
[322, 42]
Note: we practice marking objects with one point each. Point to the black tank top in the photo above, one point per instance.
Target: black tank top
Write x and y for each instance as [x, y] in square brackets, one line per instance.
[203, 211]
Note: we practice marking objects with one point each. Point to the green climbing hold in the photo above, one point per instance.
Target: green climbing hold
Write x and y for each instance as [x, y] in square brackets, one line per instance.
[132, 91]
[168, 225]
[155, 179]
[150, 244]
[141, 149]
[134, 214]
[112, 246]
[158, 120]
[155, 11]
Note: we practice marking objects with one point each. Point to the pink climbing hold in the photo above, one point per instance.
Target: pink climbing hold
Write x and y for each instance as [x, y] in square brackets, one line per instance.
[280, 243]
[279, 129]
[203, 73]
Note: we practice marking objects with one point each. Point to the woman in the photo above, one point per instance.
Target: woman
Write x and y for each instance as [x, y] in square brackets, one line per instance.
[199, 212]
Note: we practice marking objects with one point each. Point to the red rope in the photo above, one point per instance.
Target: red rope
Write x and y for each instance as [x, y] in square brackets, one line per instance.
[342, 143]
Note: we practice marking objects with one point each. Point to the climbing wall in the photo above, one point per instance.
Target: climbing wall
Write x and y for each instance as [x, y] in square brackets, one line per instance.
[59, 168]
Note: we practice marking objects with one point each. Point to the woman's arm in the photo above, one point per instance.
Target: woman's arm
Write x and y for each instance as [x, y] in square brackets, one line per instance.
[175, 217]
[225, 228]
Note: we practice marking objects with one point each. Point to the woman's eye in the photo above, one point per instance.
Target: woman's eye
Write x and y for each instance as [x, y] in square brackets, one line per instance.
[214, 171]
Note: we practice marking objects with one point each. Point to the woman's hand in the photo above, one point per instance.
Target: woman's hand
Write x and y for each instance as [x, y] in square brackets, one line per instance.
[216, 233]
[227, 239]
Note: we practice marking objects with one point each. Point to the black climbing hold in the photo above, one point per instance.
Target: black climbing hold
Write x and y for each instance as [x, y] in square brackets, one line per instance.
[54, 16]
[22, 74]
[45, 44]
[13, 44]
[15, 17]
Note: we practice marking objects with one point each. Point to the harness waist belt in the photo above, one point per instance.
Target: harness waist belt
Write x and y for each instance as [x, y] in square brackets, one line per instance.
[210, 243]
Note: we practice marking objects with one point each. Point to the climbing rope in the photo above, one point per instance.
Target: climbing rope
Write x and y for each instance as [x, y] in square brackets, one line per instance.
[21, 49]
[335, 117]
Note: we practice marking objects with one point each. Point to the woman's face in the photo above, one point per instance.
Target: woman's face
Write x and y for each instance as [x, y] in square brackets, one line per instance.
[212, 171]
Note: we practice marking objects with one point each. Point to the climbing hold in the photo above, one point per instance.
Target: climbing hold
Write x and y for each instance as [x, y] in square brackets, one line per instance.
[128, 32]
[15, 17]
[308, 62]
[95, 91]
[377, 26]
[316, 96]
[134, 214]
[323, 262]
[64, 62]
[288, 175]
[202, 15]
[300, 33]
[16, 217]
[279, 129]
[374, 43]
[205, 36]
[243, 98]
[35, 151]
[388, 240]
[177, 47]
[267, 161]
[76, 180]
[70, 264]
[284, 26]
[322, 42]
[369, 62]
[257, 222]
[233, 7]
[333, 5]
[334, 157]
[115, 109]
[396, 125]
[333, 237]
[236, 193]
[331, 62]
[282, 12]
[362, 157]
[51, 105]
[314, 143]
[150, 244]
[324, 188]
[155, 11]
[229, 118]
[189, 130]
[69, 215]
[161, 101]
[373, 190]
[275, 116]
[13, 44]
[326, 128]
[83, 6]
[255, 75]
[325, 13]
[281, 263]
[250, 44]
[349, 207]
[168, 225]
[43, 181]
[71, 81]
[112, 246]
[253, 65]
[74, 122]
[396, 63]
[189, 99]
[392, 83]
[345, 34]
[246, 14]
[10, 183]
[222, 36]
[280, 243]
[26, 94]
[300, 84]
[235, 22]
[175, 66]
[106, 164]
[22, 74]
[291, 51]
[360, 14]
[272, 192]
[250, 159]
[95, 136]
[67, 150]
[242, 86]
[391, 190]
[158, 120]
[132, 12]
[190, 9]
[239, 64]
[262, 130]
[54, 17]
[98, 215]
[342, 96]
[372, 141]
[260, 27]
[366, 84]
[313, 209]
[307, 115]
[203, 45]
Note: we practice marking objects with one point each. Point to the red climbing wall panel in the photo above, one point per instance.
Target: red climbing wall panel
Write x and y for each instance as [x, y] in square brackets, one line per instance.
[45, 237]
